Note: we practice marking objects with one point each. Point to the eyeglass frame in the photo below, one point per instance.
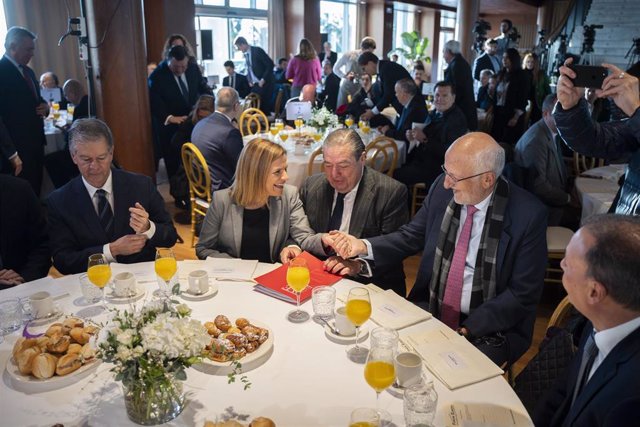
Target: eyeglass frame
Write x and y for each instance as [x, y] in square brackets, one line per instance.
[457, 180]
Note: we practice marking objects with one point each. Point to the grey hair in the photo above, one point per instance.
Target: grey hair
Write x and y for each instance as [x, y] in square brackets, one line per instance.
[326, 61]
[491, 159]
[408, 86]
[348, 138]
[452, 46]
[226, 99]
[89, 130]
[486, 72]
[15, 35]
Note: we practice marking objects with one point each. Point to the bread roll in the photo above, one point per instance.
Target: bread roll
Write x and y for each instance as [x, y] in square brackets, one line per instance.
[55, 329]
[222, 322]
[73, 322]
[87, 352]
[91, 329]
[68, 363]
[25, 358]
[74, 348]
[262, 422]
[22, 344]
[44, 365]
[58, 344]
[79, 335]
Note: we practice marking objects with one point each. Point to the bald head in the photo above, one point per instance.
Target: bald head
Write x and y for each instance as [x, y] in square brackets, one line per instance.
[73, 91]
[226, 100]
[308, 93]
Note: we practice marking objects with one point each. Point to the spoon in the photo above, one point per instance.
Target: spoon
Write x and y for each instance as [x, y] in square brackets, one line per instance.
[333, 330]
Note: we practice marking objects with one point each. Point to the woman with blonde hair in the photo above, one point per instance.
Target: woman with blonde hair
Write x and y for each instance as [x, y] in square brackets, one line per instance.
[259, 216]
[304, 68]
[540, 85]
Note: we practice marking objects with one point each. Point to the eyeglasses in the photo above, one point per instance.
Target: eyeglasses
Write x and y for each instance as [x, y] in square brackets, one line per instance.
[457, 180]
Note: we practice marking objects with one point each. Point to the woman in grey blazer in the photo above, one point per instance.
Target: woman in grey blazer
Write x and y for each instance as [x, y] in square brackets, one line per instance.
[259, 216]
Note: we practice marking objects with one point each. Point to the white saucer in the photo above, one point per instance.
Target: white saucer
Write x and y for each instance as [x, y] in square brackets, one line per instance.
[350, 339]
[398, 390]
[111, 297]
[49, 317]
[211, 292]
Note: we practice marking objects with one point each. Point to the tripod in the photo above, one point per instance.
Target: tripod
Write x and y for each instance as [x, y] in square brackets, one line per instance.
[633, 53]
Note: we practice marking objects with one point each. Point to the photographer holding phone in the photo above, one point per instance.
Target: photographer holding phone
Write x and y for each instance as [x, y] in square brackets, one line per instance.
[609, 140]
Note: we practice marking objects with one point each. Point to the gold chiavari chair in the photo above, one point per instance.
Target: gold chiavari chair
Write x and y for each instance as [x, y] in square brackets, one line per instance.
[253, 121]
[382, 155]
[197, 171]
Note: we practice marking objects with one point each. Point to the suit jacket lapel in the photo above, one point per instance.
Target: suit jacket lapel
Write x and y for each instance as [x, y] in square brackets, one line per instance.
[121, 205]
[86, 209]
[236, 214]
[505, 237]
[362, 204]
[275, 219]
[324, 205]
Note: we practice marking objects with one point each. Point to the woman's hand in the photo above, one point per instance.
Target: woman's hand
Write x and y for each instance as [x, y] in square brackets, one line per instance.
[622, 88]
[289, 253]
[341, 266]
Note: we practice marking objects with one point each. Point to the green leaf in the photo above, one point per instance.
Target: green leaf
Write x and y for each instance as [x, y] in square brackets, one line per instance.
[181, 375]
[175, 290]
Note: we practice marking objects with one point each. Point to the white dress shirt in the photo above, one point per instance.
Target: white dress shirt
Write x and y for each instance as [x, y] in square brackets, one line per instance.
[607, 339]
[108, 188]
[349, 202]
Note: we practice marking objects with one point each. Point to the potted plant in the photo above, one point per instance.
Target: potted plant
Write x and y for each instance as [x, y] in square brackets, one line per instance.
[415, 47]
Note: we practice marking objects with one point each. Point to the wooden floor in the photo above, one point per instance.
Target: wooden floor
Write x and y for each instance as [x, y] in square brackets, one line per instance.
[551, 296]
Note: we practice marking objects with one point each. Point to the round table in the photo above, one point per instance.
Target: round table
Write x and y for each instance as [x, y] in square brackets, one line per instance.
[307, 380]
[597, 188]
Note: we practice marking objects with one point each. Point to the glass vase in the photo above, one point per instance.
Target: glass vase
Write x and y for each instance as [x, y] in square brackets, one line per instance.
[154, 402]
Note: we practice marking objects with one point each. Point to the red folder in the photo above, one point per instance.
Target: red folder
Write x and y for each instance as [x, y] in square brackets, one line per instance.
[274, 283]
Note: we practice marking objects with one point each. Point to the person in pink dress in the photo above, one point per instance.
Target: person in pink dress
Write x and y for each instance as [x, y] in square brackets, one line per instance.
[304, 68]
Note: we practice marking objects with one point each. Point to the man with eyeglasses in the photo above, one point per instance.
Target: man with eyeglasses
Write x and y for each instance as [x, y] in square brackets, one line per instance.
[484, 250]
[104, 210]
[358, 200]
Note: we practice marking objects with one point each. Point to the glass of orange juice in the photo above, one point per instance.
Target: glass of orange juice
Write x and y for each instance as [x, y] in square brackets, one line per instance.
[298, 279]
[364, 417]
[279, 124]
[99, 272]
[379, 372]
[358, 311]
[273, 130]
[166, 267]
[348, 122]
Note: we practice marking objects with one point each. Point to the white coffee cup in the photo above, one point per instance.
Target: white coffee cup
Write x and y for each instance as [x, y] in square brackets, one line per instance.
[408, 368]
[41, 304]
[198, 282]
[343, 324]
[416, 125]
[124, 284]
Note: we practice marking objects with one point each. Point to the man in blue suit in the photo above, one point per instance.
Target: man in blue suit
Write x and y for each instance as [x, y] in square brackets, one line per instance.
[104, 210]
[601, 270]
[484, 250]
[219, 140]
[259, 72]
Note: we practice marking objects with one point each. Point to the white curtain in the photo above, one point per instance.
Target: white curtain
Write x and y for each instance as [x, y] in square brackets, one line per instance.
[276, 34]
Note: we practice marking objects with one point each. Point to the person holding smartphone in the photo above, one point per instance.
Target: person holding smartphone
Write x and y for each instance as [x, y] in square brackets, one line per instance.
[610, 140]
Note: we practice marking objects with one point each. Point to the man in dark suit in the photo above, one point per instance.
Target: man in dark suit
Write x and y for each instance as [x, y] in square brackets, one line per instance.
[601, 270]
[355, 199]
[327, 53]
[174, 88]
[237, 81]
[75, 94]
[259, 72]
[488, 60]
[219, 139]
[109, 211]
[22, 138]
[24, 243]
[389, 73]
[413, 110]
[427, 146]
[484, 250]
[458, 72]
[330, 87]
[539, 153]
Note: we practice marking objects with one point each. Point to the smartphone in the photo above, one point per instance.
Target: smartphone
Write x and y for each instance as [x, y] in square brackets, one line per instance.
[589, 75]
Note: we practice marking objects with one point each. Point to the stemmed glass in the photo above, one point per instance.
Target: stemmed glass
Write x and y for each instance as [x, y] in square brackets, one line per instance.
[298, 278]
[364, 417]
[99, 273]
[348, 122]
[299, 122]
[358, 311]
[274, 131]
[166, 267]
[379, 372]
[279, 124]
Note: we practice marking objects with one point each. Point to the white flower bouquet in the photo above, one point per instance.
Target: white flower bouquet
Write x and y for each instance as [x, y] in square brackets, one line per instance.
[321, 118]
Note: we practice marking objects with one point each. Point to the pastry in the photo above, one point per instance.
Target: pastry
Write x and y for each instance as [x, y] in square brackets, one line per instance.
[262, 422]
[241, 322]
[55, 329]
[58, 344]
[25, 359]
[87, 352]
[79, 335]
[91, 329]
[212, 329]
[74, 348]
[22, 344]
[234, 330]
[44, 365]
[238, 340]
[222, 323]
[68, 363]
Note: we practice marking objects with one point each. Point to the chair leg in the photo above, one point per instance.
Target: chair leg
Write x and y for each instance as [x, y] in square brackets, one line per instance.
[193, 225]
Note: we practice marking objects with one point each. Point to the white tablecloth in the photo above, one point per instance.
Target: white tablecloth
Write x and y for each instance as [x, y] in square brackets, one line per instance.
[598, 189]
[307, 381]
[298, 163]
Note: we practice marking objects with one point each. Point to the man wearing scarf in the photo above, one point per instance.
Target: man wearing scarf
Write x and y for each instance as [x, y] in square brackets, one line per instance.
[484, 250]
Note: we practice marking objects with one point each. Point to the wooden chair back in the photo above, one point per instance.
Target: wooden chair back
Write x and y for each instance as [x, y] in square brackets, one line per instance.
[252, 101]
[310, 165]
[197, 171]
[382, 155]
[583, 163]
[252, 121]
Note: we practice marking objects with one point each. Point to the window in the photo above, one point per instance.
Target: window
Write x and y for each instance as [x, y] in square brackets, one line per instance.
[447, 29]
[403, 22]
[3, 22]
[227, 19]
[338, 22]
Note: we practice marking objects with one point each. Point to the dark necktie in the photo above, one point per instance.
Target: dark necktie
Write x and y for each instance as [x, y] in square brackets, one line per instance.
[233, 81]
[248, 57]
[27, 78]
[336, 216]
[559, 159]
[450, 311]
[183, 89]
[588, 357]
[403, 117]
[105, 214]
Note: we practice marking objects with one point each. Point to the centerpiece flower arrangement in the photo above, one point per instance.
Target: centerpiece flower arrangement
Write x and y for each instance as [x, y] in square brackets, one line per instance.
[150, 350]
[322, 119]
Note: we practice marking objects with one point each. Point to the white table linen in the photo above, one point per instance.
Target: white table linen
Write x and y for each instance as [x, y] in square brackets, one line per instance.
[597, 194]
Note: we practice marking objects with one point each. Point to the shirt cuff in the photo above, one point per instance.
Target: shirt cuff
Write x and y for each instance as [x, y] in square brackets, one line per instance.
[14, 155]
[107, 253]
[151, 231]
[166, 121]
[375, 111]
[369, 254]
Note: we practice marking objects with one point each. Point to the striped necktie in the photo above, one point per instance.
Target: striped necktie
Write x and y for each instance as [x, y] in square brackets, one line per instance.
[105, 214]
[184, 89]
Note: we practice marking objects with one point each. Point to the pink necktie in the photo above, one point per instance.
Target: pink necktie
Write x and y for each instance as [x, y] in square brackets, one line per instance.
[450, 312]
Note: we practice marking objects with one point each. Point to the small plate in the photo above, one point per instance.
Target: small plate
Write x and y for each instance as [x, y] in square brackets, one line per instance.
[48, 318]
[397, 390]
[351, 339]
[185, 294]
[111, 297]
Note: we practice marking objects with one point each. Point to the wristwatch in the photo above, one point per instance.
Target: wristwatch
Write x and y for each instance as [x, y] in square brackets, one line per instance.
[364, 268]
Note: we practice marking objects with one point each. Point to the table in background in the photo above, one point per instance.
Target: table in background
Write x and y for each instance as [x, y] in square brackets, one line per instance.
[55, 136]
[307, 381]
[597, 194]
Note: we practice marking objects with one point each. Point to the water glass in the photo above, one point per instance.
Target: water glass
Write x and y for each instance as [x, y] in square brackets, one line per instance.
[420, 403]
[385, 337]
[324, 301]
[91, 293]
[364, 417]
[10, 315]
